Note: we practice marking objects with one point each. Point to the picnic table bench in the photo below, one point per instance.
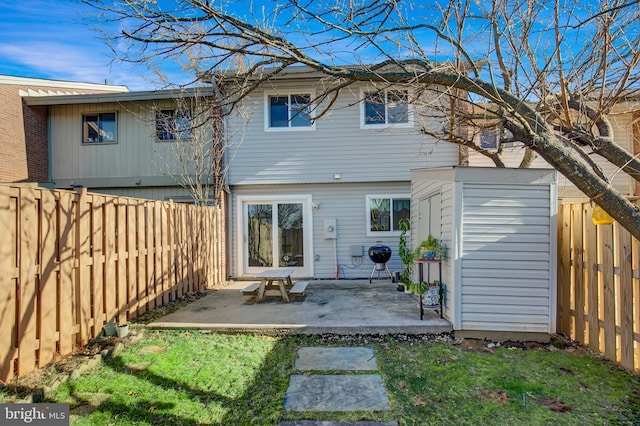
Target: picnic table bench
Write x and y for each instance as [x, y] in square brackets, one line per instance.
[275, 279]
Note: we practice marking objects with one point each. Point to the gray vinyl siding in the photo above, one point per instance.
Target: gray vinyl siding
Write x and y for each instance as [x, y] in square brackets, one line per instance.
[623, 135]
[175, 193]
[136, 154]
[506, 257]
[337, 146]
[346, 204]
[498, 229]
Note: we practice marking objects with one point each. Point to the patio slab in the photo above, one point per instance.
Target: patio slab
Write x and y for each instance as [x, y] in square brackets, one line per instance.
[336, 359]
[345, 307]
[327, 392]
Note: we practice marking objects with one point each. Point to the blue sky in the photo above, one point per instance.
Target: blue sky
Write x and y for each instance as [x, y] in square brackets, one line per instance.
[52, 39]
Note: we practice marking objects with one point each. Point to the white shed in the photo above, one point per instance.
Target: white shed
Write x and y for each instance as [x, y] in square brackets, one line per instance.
[498, 227]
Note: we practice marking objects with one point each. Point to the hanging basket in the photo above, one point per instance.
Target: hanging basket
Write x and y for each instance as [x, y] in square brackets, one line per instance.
[600, 217]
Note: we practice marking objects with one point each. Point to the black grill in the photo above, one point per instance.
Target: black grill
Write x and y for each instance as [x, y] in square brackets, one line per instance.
[379, 255]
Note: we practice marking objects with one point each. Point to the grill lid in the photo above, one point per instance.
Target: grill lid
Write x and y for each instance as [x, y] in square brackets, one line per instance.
[379, 253]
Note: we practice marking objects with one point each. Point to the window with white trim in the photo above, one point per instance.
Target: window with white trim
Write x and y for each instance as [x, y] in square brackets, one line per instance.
[173, 125]
[99, 128]
[384, 213]
[385, 108]
[288, 111]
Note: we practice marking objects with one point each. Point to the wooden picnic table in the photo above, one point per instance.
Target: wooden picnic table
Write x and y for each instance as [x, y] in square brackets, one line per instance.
[281, 276]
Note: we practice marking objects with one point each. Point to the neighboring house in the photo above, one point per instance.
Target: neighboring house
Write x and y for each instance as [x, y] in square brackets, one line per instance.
[116, 143]
[625, 121]
[23, 128]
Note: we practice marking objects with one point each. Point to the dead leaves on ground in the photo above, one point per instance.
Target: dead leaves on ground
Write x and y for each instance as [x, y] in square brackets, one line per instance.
[500, 397]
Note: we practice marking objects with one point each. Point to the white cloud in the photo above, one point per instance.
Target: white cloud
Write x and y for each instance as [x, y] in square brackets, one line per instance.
[52, 39]
[63, 61]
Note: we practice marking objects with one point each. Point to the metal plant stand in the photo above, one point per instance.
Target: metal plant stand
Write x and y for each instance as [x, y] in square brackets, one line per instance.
[421, 263]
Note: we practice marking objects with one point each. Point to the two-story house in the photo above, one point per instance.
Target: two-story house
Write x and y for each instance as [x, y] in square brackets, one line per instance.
[314, 195]
[117, 143]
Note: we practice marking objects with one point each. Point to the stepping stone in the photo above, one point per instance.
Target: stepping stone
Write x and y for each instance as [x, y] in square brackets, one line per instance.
[362, 392]
[334, 359]
[335, 423]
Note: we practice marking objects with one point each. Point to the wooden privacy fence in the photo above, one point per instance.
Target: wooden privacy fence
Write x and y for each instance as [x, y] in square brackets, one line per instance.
[72, 261]
[599, 285]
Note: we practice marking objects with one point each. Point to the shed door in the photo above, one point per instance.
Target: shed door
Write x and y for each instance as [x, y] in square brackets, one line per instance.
[429, 217]
[429, 222]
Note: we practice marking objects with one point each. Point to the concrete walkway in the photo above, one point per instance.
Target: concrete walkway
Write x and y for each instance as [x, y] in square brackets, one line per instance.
[327, 392]
[339, 307]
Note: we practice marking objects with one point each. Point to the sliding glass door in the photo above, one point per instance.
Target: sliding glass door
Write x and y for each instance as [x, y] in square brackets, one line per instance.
[276, 235]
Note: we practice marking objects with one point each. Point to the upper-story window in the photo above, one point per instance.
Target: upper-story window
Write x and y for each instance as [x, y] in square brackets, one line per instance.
[290, 111]
[173, 125]
[99, 128]
[385, 108]
[384, 213]
[490, 138]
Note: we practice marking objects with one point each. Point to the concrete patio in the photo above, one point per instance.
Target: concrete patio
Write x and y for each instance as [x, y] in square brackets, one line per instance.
[339, 307]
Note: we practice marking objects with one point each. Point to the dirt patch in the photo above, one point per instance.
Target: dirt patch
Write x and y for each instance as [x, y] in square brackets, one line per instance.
[476, 345]
[494, 396]
[152, 349]
[557, 344]
[421, 400]
[554, 404]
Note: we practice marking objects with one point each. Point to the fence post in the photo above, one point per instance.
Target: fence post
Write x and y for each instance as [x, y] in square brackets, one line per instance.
[578, 272]
[8, 278]
[564, 266]
[49, 267]
[626, 298]
[591, 259]
[83, 277]
[609, 292]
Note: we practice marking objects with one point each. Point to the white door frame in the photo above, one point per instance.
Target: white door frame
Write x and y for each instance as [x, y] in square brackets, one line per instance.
[242, 232]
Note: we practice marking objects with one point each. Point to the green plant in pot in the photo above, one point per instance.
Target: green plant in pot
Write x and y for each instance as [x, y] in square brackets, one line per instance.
[430, 248]
[405, 253]
[418, 288]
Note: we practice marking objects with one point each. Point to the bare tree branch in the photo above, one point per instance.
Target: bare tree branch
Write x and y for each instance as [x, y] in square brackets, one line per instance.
[549, 73]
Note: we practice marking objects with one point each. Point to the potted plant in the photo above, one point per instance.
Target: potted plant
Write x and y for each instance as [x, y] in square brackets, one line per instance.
[430, 248]
[418, 288]
[432, 294]
[405, 253]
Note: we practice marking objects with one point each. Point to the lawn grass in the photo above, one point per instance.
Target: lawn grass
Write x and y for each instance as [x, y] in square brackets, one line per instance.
[192, 377]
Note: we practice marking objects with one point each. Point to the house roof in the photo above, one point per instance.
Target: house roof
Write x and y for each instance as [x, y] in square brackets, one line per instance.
[43, 87]
[97, 98]
[305, 72]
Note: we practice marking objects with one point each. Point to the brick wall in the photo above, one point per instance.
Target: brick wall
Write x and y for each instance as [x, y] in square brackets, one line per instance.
[35, 130]
[13, 151]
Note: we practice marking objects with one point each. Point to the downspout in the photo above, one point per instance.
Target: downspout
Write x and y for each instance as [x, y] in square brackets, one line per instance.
[50, 182]
[225, 186]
